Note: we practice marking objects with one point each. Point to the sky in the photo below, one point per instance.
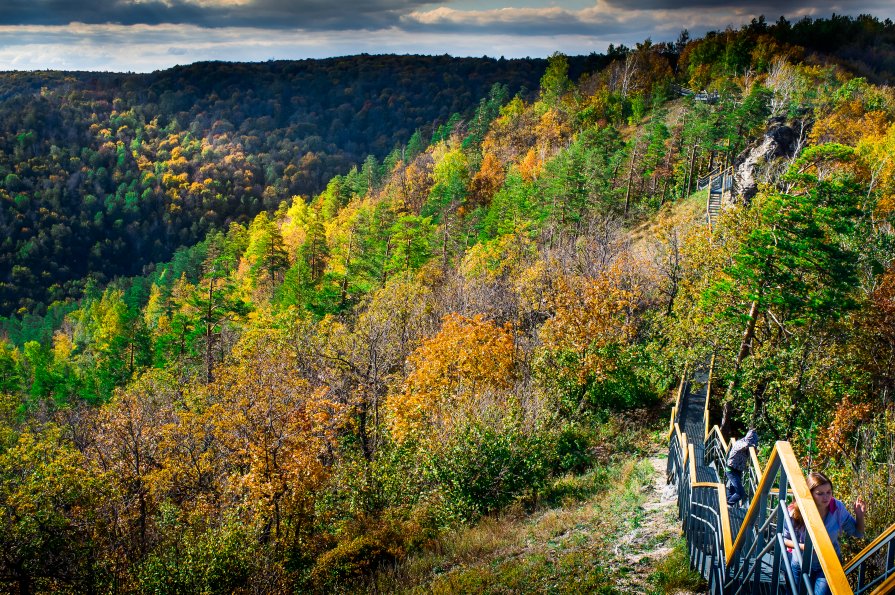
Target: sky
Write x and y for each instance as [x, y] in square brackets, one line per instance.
[148, 35]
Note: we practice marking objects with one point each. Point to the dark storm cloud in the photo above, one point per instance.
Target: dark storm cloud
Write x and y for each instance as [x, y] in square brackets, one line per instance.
[623, 19]
[280, 14]
[770, 8]
[145, 35]
[604, 17]
[98, 35]
[63, 12]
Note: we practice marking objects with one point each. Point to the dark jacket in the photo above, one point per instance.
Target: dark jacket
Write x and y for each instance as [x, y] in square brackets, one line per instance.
[738, 457]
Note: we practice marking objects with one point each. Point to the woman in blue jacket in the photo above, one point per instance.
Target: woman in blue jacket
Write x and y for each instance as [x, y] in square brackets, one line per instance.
[837, 519]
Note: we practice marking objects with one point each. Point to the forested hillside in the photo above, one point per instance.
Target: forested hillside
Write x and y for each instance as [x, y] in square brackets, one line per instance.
[122, 169]
[327, 387]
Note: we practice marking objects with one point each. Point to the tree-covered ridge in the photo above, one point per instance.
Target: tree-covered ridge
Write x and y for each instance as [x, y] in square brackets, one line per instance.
[121, 169]
[300, 398]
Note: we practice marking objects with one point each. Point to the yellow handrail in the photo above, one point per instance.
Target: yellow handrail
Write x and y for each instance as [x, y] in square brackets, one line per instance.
[692, 466]
[873, 544]
[677, 401]
[781, 455]
[726, 537]
[723, 510]
[823, 547]
[887, 586]
[754, 457]
[814, 525]
[716, 430]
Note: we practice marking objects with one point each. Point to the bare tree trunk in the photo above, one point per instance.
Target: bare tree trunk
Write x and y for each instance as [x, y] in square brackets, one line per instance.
[388, 248]
[758, 400]
[690, 172]
[614, 174]
[208, 332]
[630, 178]
[745, 348]
[344, 290]
[796, 398]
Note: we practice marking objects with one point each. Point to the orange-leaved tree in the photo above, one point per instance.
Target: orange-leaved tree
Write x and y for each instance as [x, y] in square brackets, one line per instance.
[486, 181]
[469, 364]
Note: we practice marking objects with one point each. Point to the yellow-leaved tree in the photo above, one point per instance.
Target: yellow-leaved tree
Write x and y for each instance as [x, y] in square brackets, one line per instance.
[276, 429]
[590, 313]
[584, 339]
[876, 152]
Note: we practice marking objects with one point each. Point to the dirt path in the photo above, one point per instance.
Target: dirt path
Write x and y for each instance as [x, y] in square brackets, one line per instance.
[650, 535]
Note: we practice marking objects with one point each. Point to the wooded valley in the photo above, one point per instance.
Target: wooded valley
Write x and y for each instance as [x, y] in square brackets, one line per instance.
[273, 327]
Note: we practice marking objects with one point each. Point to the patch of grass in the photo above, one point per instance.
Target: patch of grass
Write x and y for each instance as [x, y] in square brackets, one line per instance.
[625, 503]
[674, 573]
[573, 572]
[570, 488]
[559, 550]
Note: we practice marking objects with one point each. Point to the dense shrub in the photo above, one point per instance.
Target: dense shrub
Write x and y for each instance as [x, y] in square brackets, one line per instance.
[354, 558]
[216, 560]
[572, 448]
[483, 468]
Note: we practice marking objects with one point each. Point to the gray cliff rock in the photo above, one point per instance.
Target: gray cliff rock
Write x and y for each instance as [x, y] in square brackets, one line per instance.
[766, 157]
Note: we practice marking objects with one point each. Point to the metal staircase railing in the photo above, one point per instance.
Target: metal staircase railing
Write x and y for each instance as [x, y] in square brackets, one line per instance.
[758, 556]
[873, 569]
[745, 553]
[720, 184]
[702, 182]
[704, 96]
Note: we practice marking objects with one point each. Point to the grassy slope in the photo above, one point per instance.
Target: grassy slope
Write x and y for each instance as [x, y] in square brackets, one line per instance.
[610, 530]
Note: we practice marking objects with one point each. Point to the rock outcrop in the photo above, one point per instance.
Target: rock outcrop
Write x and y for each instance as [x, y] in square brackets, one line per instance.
[766, 156]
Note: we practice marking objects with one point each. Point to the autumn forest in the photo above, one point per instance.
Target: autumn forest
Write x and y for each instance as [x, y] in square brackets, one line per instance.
[270, 328]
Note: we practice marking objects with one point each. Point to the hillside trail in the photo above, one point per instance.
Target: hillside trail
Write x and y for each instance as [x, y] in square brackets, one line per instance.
[624, 538]
[649, 536]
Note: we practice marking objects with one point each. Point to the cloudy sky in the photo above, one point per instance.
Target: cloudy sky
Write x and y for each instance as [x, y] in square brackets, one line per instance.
[147, 35]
